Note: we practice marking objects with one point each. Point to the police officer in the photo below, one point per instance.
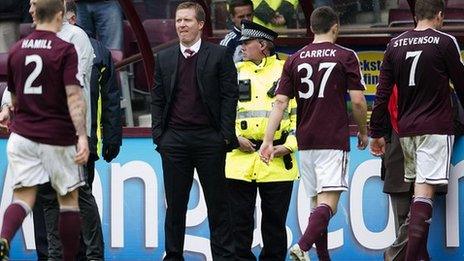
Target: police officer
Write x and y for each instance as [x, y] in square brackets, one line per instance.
[258, 76]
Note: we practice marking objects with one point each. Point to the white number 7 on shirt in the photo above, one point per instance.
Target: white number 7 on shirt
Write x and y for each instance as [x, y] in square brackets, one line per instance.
[412, 73]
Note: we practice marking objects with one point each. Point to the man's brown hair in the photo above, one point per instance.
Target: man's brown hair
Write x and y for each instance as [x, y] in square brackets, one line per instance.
[45, 10]
[199, 12]
[237, 3]
[428, 9]
[71, 6]
[322, 19]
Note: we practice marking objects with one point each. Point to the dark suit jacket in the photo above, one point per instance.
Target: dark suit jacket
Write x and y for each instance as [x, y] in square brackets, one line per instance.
[217, 82]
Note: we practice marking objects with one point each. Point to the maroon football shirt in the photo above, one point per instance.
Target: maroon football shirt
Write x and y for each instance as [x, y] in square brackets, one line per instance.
[421, 64]
[319, 76]
[39, 68]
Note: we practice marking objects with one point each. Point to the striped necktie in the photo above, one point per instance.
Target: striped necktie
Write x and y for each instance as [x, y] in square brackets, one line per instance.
[189, 53]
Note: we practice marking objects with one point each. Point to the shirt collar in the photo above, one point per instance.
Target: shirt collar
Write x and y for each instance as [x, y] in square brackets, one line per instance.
[266, 62]
[195, 47]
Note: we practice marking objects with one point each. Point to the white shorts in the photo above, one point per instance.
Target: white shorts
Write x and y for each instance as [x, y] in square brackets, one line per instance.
[32, 163]
[323, 170]
[427, 158]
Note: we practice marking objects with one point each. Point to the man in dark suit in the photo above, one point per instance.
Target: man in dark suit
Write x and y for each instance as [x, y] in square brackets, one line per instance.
[194, 100]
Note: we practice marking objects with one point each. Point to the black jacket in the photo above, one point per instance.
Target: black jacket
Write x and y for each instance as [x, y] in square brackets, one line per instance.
[217, 81]
[11, 10]
[103, 82]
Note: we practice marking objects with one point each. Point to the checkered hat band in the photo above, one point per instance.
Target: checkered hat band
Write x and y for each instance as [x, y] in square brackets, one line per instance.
[252, 33]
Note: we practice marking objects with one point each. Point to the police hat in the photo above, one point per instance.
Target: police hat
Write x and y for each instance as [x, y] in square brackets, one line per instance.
[252, 30]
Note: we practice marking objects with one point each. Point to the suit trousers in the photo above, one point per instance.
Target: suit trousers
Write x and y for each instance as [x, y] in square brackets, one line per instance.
[46, 213]
[275, 201]
[182, 151]
[400, 203]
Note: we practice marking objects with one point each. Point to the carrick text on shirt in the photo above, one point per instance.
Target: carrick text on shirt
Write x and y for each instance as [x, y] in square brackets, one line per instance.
[36, 44]
[318, 53]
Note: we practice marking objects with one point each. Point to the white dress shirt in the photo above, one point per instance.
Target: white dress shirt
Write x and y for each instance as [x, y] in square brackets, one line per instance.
[195, 47]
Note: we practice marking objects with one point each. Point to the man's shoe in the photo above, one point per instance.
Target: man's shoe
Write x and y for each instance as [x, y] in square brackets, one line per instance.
[297, 254]
[4, 250]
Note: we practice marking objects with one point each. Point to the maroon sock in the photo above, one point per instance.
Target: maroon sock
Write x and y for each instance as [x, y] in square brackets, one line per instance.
[321, 247]
[70, 229]
[421, 214]
[317, 224]
[423, 253]
[12, 220]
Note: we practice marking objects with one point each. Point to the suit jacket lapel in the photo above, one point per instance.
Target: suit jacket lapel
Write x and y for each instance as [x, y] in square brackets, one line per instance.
[175, 65]
[201, 62]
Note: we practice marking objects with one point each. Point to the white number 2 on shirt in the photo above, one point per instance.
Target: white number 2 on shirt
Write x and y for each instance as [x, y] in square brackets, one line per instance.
[28, 88]
[307, 79]
[412, 73]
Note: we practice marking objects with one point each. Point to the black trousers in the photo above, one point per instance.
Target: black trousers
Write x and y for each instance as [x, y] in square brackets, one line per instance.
[46, 212]
[182, 151]
[275, 201]
[400, 204]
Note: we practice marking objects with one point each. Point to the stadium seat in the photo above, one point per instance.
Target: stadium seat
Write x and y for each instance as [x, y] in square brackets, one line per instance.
[400, 17]
[130, 46]
[454, 16]
[25, 29]
[159, 30]
[403, 4]
[141, 10]
[116, 55]
[455, 4]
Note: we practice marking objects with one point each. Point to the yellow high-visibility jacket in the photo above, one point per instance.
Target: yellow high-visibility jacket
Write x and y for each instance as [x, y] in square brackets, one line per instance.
[251, 123]
[267, 7]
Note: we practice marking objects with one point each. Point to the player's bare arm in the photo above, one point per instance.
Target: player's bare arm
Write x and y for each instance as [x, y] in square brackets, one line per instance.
[358, 102]
[8, 102]
[277, 113]
[4, 118]
[77, 110]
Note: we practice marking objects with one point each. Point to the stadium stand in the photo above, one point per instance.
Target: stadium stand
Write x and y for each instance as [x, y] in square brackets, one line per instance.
[25, 29]
[159, 30]
[123, 81]
[400, 17]
[403, 4]
[3, 62]
[129, 42]
[455, 4]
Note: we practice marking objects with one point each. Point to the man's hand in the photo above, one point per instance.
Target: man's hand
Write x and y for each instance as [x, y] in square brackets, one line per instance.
[363, 141]
[110, 151]
[279, 151]
[377, 146]
[278, 19]
[4, 119]
[246, 145]
[266, 152]
[82, 154]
